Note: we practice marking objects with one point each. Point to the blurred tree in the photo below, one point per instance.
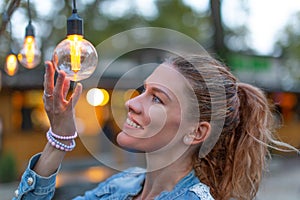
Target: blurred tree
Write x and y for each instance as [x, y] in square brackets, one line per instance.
[235, 37]
[99, 23]
[219, 45]
[105, 18]
[11, 7]
[288, 46]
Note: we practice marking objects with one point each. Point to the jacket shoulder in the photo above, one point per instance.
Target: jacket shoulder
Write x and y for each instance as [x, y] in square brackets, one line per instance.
[201, 191]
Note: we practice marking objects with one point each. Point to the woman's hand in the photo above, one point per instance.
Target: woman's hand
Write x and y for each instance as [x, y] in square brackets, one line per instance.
[60, 110]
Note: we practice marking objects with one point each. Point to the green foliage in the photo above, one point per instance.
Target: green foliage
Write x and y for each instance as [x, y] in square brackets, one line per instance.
[8, 170]
[105, 18]
[289, 45]
[99, 24]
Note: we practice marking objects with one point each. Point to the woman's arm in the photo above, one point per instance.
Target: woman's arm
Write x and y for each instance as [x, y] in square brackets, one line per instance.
[38, 181]
[60, 111]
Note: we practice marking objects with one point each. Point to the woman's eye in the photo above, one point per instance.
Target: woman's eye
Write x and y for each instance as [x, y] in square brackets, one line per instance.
[155, 99]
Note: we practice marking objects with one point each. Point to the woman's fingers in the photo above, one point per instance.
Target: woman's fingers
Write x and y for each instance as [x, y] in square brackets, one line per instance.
[60, 110]
[49, 79]
[66, 88]
[48, 86]
[58, 89]
[75, 96]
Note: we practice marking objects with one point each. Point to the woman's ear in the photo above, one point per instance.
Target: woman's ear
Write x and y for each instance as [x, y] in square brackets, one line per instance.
[202, 132]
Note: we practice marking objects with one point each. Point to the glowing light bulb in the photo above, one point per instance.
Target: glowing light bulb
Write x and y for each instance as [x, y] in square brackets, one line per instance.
[11, 64]
[30, 55]
[75, 55]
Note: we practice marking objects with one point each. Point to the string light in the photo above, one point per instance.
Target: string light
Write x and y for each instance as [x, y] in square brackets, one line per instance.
[11, 62]
[75, 55]
[30, 55]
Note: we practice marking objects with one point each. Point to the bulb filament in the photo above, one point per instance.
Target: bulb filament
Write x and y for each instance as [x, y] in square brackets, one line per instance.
[29, 49]
[75, 51]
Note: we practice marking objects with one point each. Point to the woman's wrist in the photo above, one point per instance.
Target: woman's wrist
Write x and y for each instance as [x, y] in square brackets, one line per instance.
[49, 161]
[65, 131]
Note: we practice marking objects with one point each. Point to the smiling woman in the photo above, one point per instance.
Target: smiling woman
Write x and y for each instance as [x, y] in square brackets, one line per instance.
[204, 134]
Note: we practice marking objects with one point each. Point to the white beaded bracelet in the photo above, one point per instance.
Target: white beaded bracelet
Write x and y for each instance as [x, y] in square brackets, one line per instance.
[59, 145]
[60, 137]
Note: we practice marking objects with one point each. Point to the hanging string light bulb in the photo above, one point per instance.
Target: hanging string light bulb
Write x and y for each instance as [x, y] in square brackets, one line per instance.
[30, 55]
[75, 55]
[11, 62]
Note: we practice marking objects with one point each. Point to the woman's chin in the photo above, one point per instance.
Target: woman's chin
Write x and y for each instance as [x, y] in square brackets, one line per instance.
[126, 141]
[133, 144]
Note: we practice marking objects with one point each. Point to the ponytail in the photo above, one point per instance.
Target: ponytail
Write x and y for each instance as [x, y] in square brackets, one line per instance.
[255, 129]
[234, 167]
[265, 115]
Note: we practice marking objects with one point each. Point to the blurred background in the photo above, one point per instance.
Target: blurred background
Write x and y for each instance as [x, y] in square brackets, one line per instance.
[258, 39]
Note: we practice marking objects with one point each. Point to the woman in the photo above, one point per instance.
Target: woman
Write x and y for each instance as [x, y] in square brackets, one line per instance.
[205, 135]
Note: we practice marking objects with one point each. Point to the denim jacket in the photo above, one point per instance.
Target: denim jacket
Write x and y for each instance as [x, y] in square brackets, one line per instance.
[121, 186]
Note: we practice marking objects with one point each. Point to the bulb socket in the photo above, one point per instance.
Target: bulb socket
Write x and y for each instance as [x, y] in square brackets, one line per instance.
[29, 31]
[11, 52]
[74, 24]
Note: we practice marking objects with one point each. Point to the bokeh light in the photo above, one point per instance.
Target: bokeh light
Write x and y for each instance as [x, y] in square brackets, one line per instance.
[97, 97]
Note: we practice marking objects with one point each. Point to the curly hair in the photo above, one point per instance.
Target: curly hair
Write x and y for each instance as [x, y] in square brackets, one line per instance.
[234, 164]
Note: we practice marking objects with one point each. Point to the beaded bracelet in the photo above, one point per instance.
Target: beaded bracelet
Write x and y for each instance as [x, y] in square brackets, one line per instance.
[58, 145]
[70, 137]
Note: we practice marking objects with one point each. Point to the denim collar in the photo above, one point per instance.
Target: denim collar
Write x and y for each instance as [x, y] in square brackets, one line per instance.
[130, 184]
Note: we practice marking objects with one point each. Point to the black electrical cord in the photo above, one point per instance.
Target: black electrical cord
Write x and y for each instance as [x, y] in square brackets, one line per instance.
[74, 22]
[10, 30]
[6, 18]
[29, 31]
[29, 14]
[74, 7]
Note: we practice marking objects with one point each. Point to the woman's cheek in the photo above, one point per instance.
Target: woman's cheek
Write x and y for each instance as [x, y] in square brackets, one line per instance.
[158, 119]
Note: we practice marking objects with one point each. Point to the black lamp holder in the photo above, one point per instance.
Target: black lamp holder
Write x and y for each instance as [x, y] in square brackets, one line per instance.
[29, 31]
[74, 22]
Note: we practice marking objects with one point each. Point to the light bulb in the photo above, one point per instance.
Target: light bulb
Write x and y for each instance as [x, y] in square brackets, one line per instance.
[11, 64]
[30, 55]
[75, 55]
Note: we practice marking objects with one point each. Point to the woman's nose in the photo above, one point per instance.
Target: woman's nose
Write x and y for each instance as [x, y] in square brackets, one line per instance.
[134, 105]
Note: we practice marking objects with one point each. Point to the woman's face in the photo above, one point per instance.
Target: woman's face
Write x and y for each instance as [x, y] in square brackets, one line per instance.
[158, 115]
